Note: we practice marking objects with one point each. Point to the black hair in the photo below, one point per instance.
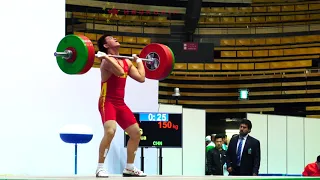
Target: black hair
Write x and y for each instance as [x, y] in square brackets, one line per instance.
[318, 159]
[101, 42]
[246, 122]
[218, 136]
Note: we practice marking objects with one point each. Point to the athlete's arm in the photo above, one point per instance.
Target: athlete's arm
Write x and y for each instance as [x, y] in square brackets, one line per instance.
[110, 64]
[137, 73]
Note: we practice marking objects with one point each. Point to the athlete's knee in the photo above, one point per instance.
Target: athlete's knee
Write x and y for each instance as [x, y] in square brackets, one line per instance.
[134, 133]
[110, 128]
[110, 132]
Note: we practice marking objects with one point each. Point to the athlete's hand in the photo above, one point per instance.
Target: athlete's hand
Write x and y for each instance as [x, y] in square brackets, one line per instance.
[101, 55]
[136, 58]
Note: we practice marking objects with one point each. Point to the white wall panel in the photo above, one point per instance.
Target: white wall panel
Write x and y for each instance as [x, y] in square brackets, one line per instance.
[260, 132]
[172, 157]
[295, 145]
[194, 127]
[277, 144]
[311, 139]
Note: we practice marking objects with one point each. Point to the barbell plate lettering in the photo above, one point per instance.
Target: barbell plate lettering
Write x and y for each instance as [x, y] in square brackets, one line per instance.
[80, 54]
[161, 66]
[91, 55]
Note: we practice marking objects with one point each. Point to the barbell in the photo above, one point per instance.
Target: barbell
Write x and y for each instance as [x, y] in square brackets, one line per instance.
[75, 54]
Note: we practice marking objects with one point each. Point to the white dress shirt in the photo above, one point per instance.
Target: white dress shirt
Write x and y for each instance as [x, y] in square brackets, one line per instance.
[243, 143]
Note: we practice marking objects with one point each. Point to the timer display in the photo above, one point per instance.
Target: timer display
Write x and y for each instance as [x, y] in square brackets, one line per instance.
[159, 130]
[153, 117]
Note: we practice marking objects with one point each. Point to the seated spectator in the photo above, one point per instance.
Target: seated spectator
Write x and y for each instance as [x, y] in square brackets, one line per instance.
[312, 169]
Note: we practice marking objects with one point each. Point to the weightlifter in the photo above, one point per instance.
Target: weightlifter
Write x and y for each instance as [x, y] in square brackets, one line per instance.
[112, 107]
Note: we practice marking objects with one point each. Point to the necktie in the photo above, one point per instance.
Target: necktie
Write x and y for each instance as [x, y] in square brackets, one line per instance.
[239, 151]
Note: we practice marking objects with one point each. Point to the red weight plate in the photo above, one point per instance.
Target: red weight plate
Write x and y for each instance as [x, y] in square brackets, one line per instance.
[170, 63]
[157, 70]
[91, 54]
[74, 55]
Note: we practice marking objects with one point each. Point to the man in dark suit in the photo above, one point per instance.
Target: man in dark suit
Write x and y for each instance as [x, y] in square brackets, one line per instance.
[243, 154]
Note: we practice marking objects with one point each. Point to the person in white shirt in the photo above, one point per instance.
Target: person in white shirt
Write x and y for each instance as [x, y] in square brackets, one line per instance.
[209, 143]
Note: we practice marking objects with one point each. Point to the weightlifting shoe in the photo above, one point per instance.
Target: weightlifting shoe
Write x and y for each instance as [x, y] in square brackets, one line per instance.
[135, 172]
[101, 173]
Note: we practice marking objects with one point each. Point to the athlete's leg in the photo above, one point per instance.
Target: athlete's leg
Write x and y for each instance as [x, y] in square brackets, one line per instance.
[128, 122]
[109, 132]
[108, 116]
[133, 143]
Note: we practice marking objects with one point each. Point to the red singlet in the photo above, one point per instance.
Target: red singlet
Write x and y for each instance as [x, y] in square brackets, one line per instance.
[111, 101]
[311, 170]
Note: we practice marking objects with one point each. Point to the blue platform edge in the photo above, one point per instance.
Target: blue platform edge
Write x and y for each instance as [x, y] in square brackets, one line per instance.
[76, 138]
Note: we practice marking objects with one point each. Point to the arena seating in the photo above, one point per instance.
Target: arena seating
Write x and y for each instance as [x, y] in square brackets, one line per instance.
[205, 67]
[219, 92]
[268, 48]
[102, 17]
[282, 52]
[262, 14]
[260, 18]
[122, 23]
[243, 54]
[273, 63]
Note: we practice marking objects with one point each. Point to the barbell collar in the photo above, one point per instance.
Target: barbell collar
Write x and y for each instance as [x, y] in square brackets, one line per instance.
[67, 54]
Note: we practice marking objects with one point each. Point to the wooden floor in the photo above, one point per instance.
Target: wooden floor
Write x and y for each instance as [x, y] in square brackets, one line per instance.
[115, 177]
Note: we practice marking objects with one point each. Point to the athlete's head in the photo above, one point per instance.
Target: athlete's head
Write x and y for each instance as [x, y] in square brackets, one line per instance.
[107, 43]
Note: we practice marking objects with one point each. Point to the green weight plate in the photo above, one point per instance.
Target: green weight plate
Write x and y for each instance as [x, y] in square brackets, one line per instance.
[80, 54]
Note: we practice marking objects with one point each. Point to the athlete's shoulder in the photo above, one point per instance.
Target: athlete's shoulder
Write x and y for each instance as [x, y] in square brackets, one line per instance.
[129, 62]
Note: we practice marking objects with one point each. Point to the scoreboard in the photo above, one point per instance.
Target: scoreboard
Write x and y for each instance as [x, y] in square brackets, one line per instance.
[159, 130]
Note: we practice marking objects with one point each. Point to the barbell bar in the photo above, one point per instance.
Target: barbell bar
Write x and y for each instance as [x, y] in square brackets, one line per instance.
[125, 57]
[67, 54]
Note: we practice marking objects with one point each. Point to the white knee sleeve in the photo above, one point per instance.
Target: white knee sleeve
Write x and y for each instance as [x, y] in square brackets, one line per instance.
[105, 153]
